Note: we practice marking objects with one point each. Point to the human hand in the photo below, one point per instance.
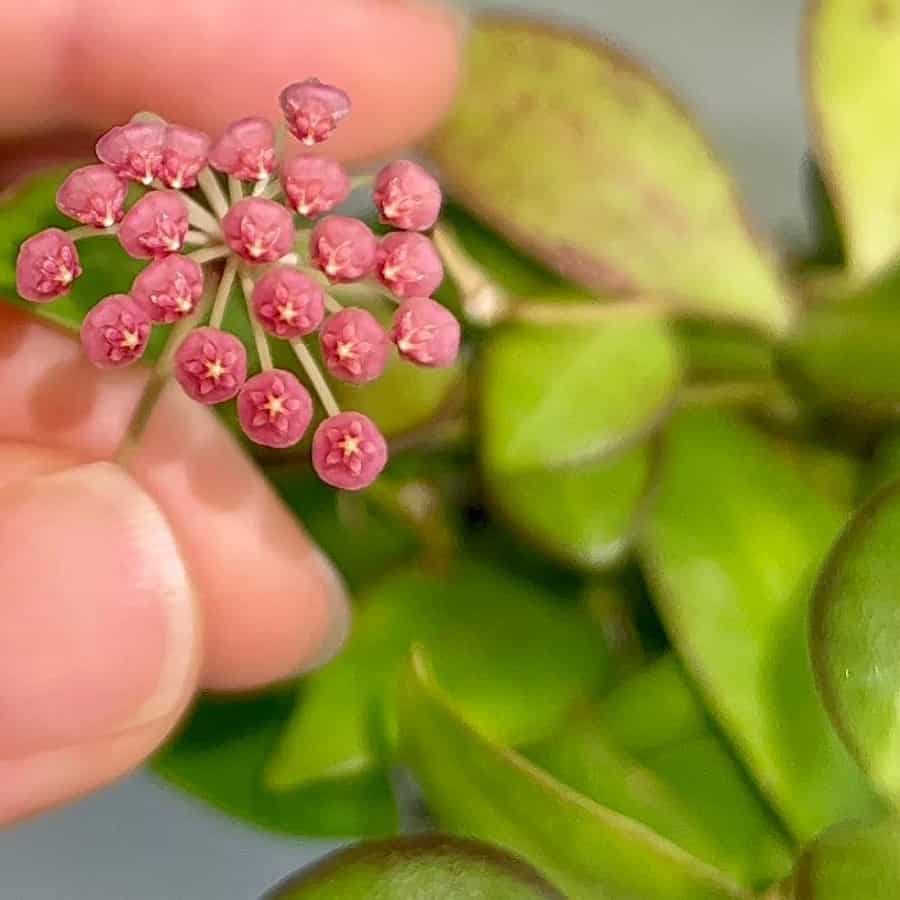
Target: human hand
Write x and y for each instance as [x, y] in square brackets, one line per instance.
[122, 594]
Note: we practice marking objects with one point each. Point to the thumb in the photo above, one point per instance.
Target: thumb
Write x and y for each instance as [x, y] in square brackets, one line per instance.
[98, 633]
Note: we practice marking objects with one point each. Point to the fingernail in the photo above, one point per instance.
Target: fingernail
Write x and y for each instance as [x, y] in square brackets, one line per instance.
[340, 615]
[98, 630]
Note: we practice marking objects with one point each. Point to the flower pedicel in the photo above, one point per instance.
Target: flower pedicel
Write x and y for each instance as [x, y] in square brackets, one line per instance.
[248, 236]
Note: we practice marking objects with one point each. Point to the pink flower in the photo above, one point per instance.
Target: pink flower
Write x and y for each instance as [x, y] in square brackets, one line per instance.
[211, 365]
[348, 451]
[246, 150]
[408, 264]
[274, 409]
[156, 225]
[134, 151]
[288, 303]
[93, 195]
[259, 230]
[354, 346]
[407, 197]
[426, 333]
[115, 332]
[343, 248]
[169, 288]
[184, 154]
[46, 266]
[314, 185]
[313, 109]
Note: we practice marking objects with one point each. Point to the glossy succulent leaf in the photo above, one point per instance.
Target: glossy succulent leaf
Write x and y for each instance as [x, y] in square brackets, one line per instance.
[561, 395]
[478, 788]
[414, 868]
[611, 185]
[854, 64]
[844, 352]
[656, 717]
[515, 653]
[854, 636]
[586, 514]
[653, 709]
[711, 351]
[884, 467]
[219, 757]
[731, 550]
[853, 861]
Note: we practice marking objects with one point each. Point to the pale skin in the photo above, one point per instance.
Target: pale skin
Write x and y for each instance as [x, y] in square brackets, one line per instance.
[123, 594]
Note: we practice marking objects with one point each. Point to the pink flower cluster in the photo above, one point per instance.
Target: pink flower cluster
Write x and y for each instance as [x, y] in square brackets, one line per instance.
[203, 234]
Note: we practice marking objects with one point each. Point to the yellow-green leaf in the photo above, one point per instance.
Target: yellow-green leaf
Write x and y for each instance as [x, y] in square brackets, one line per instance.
[573, 153]
[854, 68]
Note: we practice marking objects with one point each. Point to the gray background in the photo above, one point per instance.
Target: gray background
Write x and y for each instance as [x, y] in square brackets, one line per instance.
[736, 62]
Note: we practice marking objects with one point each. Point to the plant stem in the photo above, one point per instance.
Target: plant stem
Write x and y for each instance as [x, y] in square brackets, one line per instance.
[332, 305]
[213, 193]
[197, 237]
[314, 374]
[235, 189]
[158, 378]
[223, 292]
[483, 301]
[80, 232]
[270, 191]
[208, 254]
[259, 335]
[358, 181]
[259, 189]
[200, 217]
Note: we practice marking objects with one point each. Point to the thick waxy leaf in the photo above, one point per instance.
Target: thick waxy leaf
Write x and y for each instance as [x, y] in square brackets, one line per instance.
[512, 652]
[571, 151]
[584, 515]
[415, 868]
[844, 352]
[884, 467]
[557, 396]
[477, 788]
[219, 757]
[732, 547]
[711, 352]
[855, 635]
[853, 861]
[854, 59]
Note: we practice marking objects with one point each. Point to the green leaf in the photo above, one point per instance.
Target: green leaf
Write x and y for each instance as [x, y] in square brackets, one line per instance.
[512, 651]
[609, 184]
[854, 65]
[556, 396]
[853, 861]
[653, 709]
[731, 549]
[710, 351]
[884, 467]
[584, 515]
[476, 787]
[855, 634]
[403, 398]
[219, 757]
[415, 868]
[844, 352]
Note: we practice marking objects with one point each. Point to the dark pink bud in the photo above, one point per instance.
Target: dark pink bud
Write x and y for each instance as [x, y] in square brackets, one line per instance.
[210, 365]
[115, 332]
[184, 154]
[274, 409]
[354, 345]
[134, 151]
[348, 451]
[426, 333]
[343, 248]
[259, 230]
[288, 303]
[407, 196]
[169, 288]
[93, 195]
[46, 266]
[155, 226]
[246, 150]
[408, 264]
[313, 109]
[314, 185]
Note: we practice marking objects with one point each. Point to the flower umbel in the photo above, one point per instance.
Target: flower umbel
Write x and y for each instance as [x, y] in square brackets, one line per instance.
[251, 236]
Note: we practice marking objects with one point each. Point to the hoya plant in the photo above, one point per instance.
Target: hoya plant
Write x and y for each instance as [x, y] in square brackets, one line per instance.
[624, 538]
